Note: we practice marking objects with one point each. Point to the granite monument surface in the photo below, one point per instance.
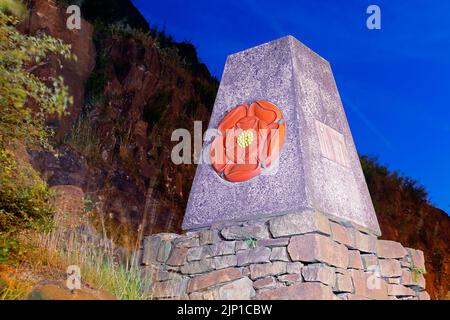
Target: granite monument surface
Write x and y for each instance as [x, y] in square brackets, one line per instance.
[317, 166]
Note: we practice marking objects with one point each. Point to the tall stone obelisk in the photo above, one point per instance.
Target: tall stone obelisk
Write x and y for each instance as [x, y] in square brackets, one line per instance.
[318, 166]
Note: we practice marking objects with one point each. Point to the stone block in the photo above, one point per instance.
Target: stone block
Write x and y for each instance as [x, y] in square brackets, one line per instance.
[390, 249]
[294, 267]
[164, 250]
[241, 289]
[318, 248]
[400, 290]
[177, 256]
[267, 269]
[208, 237]
[213, 278]
[187, 241]
[222, 248]
[354, 260]
[225, 261]
[270, 243]
[298, 291]
[340, 234]
[195, 267]
[256, 255]
[368, 285]
[279, 254]
[299, 223]
[343, 283]
[151, 247]
[290, 278]
[169, 289]
[319, 273]
[363, 242]
[390, 268]
[369, 261]
[412, 279]
[265, 283]
[199, 253]
[417, 258]
[244, 232]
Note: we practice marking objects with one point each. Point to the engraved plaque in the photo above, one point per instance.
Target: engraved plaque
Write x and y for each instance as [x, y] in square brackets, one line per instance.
[332, 144]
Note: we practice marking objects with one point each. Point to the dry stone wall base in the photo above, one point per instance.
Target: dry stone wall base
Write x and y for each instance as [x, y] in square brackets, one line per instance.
[282, 258]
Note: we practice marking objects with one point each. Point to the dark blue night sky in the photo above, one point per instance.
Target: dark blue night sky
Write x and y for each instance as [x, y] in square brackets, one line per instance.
[394, 82]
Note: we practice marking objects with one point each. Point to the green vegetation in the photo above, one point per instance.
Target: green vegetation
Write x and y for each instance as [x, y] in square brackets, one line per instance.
[25, 100]
[251, 242]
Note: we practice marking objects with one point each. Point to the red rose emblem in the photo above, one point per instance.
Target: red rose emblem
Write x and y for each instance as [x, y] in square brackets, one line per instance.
[251, 138]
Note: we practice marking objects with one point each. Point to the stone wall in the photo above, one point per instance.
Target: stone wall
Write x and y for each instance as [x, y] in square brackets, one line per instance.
[295, 256]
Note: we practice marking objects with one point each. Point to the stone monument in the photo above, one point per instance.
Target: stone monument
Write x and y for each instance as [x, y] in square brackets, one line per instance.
[284, 215]
[318, 166]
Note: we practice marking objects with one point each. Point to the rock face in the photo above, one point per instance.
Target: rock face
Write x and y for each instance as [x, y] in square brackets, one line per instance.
[129, 96]
[311, 264]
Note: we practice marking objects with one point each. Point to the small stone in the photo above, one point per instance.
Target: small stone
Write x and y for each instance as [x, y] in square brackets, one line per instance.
[299, 223]
[278, 242]
[390, 268]
[256, 255]
[294, 267]
[319, 273]
[197, 253]
[399, 290]
[417, 258]
[354, 260]
[412, 279]
[195, 267]
[208, 237]
[279, 254]
[343, 283]
[369, 261]
[169, 289]
[166, 275]
[265, 283]
[290, 278]
[213, 278]
[340, 234]
[164, 250]
[243, 232]
[363, 242]
[177, 256]
[151, 246]
[390, 249]
[267, 269]
[225, 261]
[186, 241]
[318, 248]
[222, 248]
[298, 291]
[241, 289]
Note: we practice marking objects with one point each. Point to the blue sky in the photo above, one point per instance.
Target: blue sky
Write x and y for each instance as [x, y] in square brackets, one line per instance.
[394, 82]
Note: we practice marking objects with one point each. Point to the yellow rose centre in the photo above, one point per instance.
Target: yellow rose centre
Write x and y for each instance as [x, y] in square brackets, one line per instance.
[245, 138]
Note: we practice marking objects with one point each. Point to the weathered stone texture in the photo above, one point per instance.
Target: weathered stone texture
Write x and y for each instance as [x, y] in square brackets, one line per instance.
[299, 223]
[319, 273]
[256, 255]
[318, 248]
[267, 269]
[390, 249]
[213, 278]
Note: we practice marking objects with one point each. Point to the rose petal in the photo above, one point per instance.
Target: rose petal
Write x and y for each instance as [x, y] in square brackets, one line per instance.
[232, 117]
[241, 172]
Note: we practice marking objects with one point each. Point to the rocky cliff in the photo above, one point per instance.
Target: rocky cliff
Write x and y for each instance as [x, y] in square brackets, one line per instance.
[132, 86]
